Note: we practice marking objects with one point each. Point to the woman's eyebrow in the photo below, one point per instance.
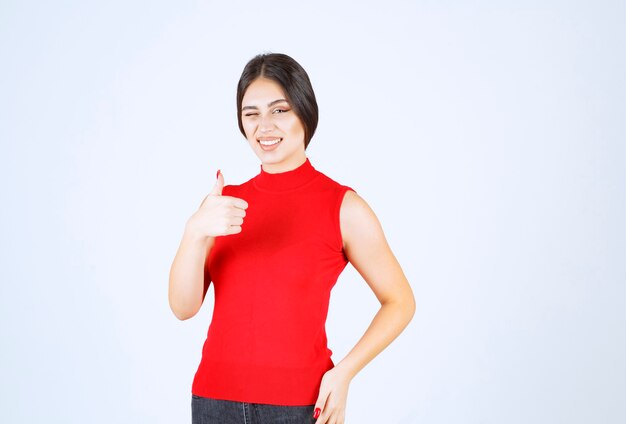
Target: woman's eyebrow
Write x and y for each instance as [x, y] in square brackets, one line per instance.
[270, 104]
[277, 101]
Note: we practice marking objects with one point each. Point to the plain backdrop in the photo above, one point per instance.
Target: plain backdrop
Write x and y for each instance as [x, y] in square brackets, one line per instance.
[489, 138]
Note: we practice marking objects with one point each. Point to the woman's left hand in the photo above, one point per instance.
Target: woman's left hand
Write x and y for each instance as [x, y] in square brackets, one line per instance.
[331, 402]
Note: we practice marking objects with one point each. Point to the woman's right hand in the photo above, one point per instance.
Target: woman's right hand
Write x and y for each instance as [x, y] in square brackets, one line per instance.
[217, 215]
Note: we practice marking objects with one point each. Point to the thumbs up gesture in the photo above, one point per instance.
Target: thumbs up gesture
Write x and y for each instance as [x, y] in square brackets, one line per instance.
[218, 215]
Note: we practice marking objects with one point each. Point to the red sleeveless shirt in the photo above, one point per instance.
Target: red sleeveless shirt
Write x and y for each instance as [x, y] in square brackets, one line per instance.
[267, 338]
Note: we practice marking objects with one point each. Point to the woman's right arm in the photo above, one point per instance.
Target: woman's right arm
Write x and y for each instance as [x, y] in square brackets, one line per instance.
[217, 216]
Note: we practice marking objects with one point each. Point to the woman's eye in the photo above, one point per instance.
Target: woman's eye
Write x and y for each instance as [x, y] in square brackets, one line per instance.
[281, 110]
[251, 114]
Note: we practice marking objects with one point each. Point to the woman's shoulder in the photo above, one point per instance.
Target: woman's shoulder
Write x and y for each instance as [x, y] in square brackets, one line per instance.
[352, 203]
[331, 182]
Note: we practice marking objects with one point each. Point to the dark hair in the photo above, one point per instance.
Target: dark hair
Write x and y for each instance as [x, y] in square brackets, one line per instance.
[294, 81]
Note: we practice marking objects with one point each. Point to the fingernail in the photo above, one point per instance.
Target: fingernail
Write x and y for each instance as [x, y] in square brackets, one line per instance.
[316, 413]
[218, 173]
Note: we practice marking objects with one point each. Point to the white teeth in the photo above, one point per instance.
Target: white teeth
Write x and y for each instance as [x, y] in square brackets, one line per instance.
[269, 142]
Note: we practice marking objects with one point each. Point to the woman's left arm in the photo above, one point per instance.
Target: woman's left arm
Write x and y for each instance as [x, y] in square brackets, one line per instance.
[367, 250]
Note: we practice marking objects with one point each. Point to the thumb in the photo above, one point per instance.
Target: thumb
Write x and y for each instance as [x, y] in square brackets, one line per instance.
[219, 185]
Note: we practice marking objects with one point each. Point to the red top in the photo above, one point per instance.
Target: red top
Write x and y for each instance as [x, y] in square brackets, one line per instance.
[267, 338]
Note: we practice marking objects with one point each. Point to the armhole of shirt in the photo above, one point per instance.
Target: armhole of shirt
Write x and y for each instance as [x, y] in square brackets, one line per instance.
[206, 273]
[337, 214]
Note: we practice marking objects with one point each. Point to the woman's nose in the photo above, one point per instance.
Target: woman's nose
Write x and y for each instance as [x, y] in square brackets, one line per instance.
[266, 124]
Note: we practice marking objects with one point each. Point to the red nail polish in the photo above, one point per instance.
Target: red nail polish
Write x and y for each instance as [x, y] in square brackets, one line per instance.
[218, 173]
[317, 413]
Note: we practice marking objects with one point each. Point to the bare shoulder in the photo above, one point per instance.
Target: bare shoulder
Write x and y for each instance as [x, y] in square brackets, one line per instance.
[357, 220]
[354, 205]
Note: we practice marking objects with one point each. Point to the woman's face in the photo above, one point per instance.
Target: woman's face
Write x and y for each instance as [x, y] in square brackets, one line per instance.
[272, 128]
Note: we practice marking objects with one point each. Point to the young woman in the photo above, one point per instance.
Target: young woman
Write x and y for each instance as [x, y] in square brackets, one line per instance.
[273, 248]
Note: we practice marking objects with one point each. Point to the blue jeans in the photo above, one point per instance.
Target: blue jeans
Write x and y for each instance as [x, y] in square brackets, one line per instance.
[213, 411]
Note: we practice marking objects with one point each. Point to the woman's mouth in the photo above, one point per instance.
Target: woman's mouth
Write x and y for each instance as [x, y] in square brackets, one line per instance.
[269, 143]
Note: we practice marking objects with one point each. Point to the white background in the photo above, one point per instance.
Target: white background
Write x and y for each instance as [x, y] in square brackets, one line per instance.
[489, 137]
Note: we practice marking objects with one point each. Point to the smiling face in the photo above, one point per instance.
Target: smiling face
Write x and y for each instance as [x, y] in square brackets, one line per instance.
[272, 128]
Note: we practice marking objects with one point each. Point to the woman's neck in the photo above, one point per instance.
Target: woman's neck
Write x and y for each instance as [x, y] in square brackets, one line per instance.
[276, 168]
